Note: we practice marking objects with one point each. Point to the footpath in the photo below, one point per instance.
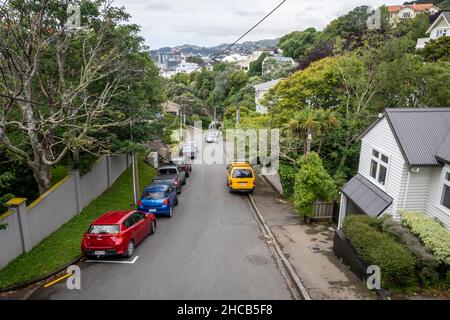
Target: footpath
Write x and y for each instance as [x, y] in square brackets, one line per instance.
[308, 248]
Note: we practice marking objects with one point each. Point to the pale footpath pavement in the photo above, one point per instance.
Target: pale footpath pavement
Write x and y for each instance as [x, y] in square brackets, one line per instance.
[308, 248]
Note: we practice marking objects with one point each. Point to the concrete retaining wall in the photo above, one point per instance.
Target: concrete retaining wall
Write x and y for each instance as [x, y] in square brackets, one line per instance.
[27, 226]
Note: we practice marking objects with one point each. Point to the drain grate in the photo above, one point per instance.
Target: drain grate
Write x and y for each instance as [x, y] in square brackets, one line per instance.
[259, 260]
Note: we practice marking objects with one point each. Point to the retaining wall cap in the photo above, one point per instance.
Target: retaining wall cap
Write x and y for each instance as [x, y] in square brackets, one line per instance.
[16, 201]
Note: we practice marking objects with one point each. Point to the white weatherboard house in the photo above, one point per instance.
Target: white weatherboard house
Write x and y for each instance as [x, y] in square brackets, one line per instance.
[439, 28]
[404, 165]
[260, 91]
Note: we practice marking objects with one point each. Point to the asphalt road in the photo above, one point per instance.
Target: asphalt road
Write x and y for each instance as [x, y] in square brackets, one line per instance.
[212, 248]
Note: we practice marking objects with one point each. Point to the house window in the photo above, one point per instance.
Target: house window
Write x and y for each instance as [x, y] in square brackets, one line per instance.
[445, 201]
[441, 33]
[378, 167]
[406, 15]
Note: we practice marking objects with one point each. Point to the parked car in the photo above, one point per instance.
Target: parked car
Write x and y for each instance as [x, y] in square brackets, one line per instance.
[173, 172]
[184, 162]
[189, 150]
[117, 233]
[158, 199]
[212, 136]
[240, 177]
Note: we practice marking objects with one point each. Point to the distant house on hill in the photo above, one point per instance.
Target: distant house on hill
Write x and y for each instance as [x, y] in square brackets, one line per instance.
[260, 91]
[439, 28]
[409, 11]
[171, 107]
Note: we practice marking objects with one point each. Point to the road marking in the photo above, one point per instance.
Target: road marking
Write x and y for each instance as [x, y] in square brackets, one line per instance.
[57, 280]
[114, 261]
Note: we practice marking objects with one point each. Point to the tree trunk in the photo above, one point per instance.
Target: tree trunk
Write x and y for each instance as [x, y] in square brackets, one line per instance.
[43, 177]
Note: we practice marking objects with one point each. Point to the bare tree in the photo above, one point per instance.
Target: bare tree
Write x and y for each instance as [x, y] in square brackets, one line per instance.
[48, 105]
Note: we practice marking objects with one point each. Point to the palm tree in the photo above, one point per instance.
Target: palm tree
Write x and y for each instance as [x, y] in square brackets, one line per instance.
[311, 121]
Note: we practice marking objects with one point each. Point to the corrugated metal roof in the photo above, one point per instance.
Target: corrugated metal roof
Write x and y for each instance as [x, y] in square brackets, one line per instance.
[446, 16]
[443, 152]
[420, 133]
[367, 196]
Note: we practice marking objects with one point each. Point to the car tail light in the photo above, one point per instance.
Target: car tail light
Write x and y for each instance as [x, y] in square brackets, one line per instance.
[166, 201]
[175, 182]
[139, 202]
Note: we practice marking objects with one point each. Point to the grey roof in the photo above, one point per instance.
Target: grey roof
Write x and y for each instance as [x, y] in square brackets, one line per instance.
[366, 196]
[267, 85]
[446, 15]
[422, 134]
[443, 152]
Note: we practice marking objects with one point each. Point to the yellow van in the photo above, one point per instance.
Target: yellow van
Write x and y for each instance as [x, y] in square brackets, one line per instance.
[240, 177]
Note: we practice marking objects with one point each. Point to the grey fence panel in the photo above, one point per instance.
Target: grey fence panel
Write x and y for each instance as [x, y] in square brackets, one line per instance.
[56, 207]
[94, 183]
[118, 165]
[52, 211]
[10, 240]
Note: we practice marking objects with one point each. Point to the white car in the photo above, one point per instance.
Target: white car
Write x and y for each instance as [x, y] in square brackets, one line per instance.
[212, 136]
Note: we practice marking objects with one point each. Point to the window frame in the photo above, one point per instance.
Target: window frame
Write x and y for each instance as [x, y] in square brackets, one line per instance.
[379, 163]
[444, 182]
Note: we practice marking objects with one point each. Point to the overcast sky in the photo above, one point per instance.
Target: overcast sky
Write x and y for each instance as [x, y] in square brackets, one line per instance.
[213, 22]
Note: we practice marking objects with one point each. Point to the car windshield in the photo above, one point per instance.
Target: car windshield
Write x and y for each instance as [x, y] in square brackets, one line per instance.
[164, 171]
[153, 195]
[104, 229]
[177, 161]
[242, 173]
[167, 182]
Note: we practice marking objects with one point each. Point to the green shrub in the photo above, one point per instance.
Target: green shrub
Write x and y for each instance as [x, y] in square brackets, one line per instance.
[312, 183]
[376, 248]
[432, 233]
[287, 178]
[427, 265]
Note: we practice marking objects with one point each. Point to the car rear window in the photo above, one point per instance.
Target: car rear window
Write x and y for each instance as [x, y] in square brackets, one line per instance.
[104, 229]
[242, 173]
[164, 171]
[153, 195]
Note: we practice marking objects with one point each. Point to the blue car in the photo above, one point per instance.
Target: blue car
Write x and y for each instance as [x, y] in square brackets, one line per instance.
[158, 199]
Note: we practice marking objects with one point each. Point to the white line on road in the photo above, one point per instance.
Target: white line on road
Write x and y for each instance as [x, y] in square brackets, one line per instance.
[114, 261]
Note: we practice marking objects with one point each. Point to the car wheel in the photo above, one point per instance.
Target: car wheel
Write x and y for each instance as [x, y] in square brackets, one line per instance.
[153, 227]
[176, 202]
[184, 182]
[190, 168]
[231, 190]
[171, 212]
[130, 249]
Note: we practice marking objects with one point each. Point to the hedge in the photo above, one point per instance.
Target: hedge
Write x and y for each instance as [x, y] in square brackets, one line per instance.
[431, 232]
[427, 264]
[287, 178]
[374, 247]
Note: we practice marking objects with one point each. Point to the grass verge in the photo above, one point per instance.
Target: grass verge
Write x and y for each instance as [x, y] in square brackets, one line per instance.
[63, 246]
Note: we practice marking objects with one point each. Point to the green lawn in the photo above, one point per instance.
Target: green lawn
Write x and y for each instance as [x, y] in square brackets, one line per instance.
[63, 246]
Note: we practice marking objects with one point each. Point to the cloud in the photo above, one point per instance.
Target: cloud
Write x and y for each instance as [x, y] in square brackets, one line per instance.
[157, 6]
[211, 22]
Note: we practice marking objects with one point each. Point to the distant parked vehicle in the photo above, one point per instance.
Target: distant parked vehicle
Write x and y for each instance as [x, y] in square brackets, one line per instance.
[172, 172]
[117, 233]
[158, 199]
[184, 162]
[189, 150]
[212, 136]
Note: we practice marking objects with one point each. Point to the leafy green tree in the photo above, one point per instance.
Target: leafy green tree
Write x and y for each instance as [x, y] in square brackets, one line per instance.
[296, 44]
[195, 59]
[255, 68]
[438, 49]
[312, 183]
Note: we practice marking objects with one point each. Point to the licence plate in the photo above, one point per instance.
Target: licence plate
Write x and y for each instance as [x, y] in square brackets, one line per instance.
[151, 210]
[99, 253]
[242, 183]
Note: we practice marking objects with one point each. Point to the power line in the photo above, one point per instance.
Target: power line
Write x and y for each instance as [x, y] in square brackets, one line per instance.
[242, 36]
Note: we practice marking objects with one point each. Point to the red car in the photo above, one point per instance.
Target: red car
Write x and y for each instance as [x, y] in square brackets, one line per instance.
[117, 233]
